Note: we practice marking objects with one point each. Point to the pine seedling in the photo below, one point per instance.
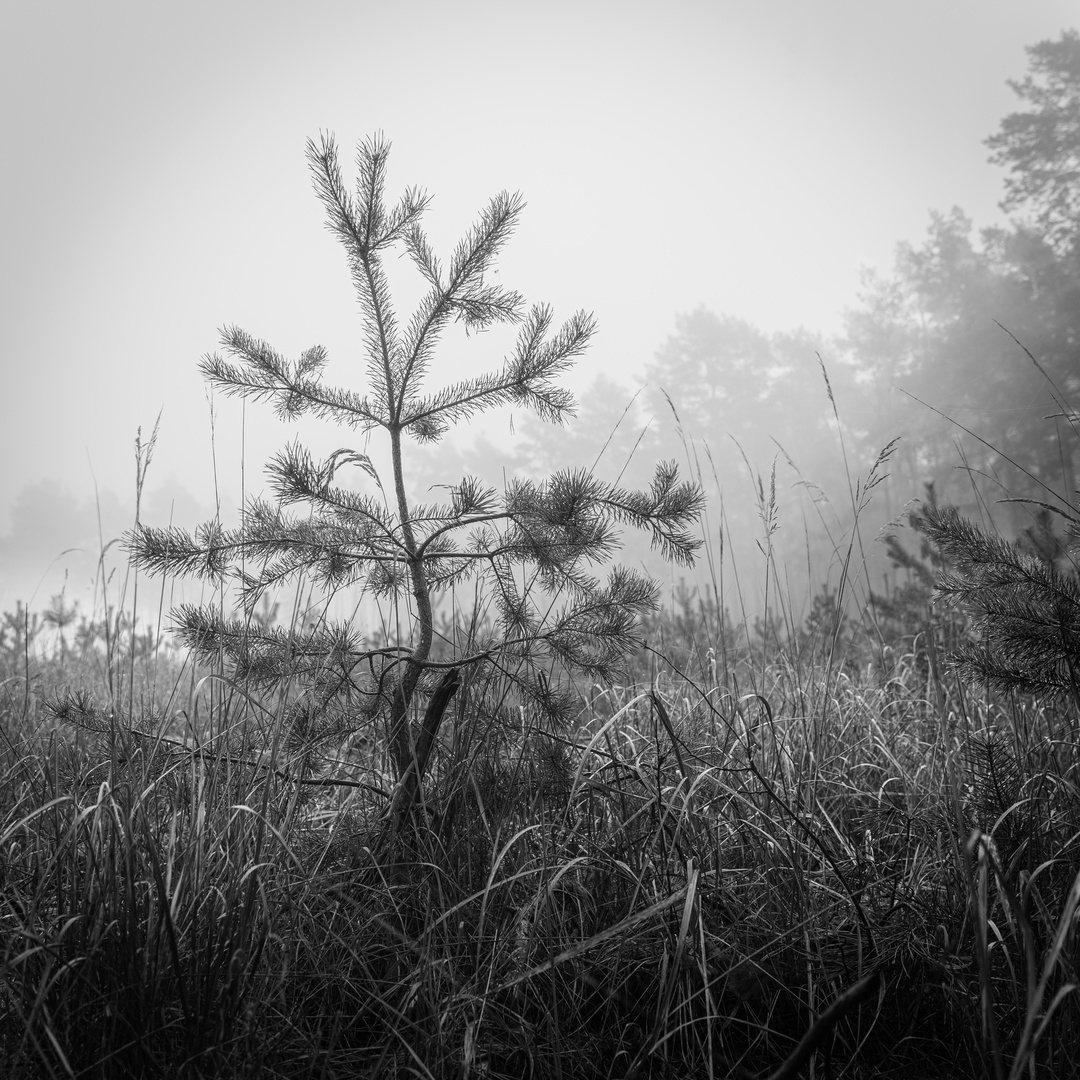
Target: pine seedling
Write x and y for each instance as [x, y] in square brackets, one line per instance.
[532, 548]
[1027, 610]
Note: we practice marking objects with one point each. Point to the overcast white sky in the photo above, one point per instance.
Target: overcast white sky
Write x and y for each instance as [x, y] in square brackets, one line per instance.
[749, 157]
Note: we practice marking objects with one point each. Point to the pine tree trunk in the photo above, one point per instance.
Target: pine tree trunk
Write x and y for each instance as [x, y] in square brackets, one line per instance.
[410, 749]
[408, 788]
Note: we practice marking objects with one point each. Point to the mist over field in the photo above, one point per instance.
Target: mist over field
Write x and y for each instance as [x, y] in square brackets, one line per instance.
[748, 204]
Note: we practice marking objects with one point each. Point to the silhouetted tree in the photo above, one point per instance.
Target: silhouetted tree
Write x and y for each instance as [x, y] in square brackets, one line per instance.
[987, 329]
[1041, 146]
[531, 546]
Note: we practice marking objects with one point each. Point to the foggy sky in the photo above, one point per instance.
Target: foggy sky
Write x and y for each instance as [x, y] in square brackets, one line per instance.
[751, 158]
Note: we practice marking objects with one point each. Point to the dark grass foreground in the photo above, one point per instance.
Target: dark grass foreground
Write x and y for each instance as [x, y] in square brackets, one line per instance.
[682, 886]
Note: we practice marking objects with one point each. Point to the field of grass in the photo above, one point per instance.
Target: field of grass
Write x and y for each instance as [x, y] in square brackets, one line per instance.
[769, 852]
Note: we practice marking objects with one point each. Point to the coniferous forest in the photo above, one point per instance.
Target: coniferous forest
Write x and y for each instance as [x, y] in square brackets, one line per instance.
[608, 774]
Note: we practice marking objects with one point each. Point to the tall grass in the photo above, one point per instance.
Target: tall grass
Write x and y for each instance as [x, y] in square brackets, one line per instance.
[800, 848]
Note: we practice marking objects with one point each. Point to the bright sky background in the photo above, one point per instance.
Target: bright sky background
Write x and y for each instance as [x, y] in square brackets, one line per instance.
[746, 156]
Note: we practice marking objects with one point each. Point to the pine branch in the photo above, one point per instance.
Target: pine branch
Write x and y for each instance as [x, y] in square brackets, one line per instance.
[296, 478]
[267, 656]
[293, 389]
[206, 554]
[594, 634]
[1027, 612]
[464, 296]
[364, 230]
[525, 379]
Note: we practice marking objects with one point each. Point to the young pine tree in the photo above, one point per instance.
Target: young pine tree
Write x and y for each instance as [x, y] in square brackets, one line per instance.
[532, 548]
[1026, 608]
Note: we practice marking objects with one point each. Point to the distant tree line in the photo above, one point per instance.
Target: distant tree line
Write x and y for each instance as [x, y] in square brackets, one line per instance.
[945, 334]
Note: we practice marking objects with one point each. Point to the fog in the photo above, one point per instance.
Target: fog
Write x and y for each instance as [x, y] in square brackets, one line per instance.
[712, 177]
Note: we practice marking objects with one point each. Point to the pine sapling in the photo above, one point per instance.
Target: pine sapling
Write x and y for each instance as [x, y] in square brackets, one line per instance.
[1026, 609]
[531, 548]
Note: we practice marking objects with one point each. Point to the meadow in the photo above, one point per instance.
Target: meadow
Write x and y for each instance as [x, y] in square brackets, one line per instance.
[533, 822]
[773, 849]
